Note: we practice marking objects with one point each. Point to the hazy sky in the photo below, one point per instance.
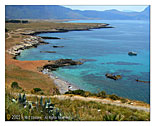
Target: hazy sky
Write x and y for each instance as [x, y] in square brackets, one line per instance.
[102, 8]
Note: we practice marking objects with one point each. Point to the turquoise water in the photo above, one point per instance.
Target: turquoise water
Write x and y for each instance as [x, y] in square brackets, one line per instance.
[108, 50]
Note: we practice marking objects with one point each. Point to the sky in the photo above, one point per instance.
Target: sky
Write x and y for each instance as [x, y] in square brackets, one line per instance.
[106, 7]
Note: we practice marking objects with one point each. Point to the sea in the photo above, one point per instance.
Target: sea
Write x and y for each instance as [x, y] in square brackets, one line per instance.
[106, 51]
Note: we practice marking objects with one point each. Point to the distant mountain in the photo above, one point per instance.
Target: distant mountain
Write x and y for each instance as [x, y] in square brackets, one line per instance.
[40, 12]
[60, 12]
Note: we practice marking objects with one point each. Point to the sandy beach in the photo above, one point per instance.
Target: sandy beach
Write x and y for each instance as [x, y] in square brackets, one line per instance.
[62, 85]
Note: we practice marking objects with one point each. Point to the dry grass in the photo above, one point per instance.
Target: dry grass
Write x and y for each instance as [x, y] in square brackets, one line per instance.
[46, 25]
[28, 79]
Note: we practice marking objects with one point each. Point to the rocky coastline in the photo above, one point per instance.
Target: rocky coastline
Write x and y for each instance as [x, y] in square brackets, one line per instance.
[33, 41]
[29, 42]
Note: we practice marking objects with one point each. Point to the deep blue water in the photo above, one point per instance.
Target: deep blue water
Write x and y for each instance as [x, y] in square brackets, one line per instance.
[108, 49]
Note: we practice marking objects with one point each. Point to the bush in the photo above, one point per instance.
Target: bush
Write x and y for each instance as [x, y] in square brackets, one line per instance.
[114, 97]
[36, 90]
[102, 94]
[87, 94]
[76, 92]
[123, 100]
[15, 85]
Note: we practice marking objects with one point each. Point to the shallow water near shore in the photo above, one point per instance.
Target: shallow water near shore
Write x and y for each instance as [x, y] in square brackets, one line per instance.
[107, 50]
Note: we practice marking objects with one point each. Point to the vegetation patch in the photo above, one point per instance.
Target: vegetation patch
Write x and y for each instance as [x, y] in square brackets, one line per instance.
[22, 109]
[15, 85]
[55, 109]
[114, 97]
[36, 90]
[101, 94]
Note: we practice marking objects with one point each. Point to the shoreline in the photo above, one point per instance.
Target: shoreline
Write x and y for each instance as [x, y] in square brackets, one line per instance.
[62, 84]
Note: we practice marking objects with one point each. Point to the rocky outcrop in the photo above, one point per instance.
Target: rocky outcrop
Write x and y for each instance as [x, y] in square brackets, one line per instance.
[32, 41]
[132, 53]
[58, 46]
[114, 77]
[61, 63]
[142, 81]
[49, 37]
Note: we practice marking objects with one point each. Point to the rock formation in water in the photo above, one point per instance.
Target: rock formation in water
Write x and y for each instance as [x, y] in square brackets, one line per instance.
[114, 77]
[61, 63]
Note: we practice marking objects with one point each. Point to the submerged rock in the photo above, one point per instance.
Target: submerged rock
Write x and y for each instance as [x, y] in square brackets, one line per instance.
[114, 77]
[87, 60]
[58, 46]
[67, 62]
[48, 51]
[142, 81]
[123, 63]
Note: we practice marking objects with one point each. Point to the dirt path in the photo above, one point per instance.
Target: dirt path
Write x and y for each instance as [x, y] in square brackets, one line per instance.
[103, 101]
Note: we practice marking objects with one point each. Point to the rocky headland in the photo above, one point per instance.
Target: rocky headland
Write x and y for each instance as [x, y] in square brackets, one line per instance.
[61, 63]
[29, 42]
[56, 30]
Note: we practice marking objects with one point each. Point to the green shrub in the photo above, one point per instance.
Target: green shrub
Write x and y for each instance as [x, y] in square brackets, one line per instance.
[102, 94]
[76, 92]
[42, 93]
[123, 100]
[36, 90]
[87, 94]
[114, 97]
[15, 85]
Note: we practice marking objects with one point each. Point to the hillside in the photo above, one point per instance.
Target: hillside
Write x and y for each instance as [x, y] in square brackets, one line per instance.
[60, 12]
